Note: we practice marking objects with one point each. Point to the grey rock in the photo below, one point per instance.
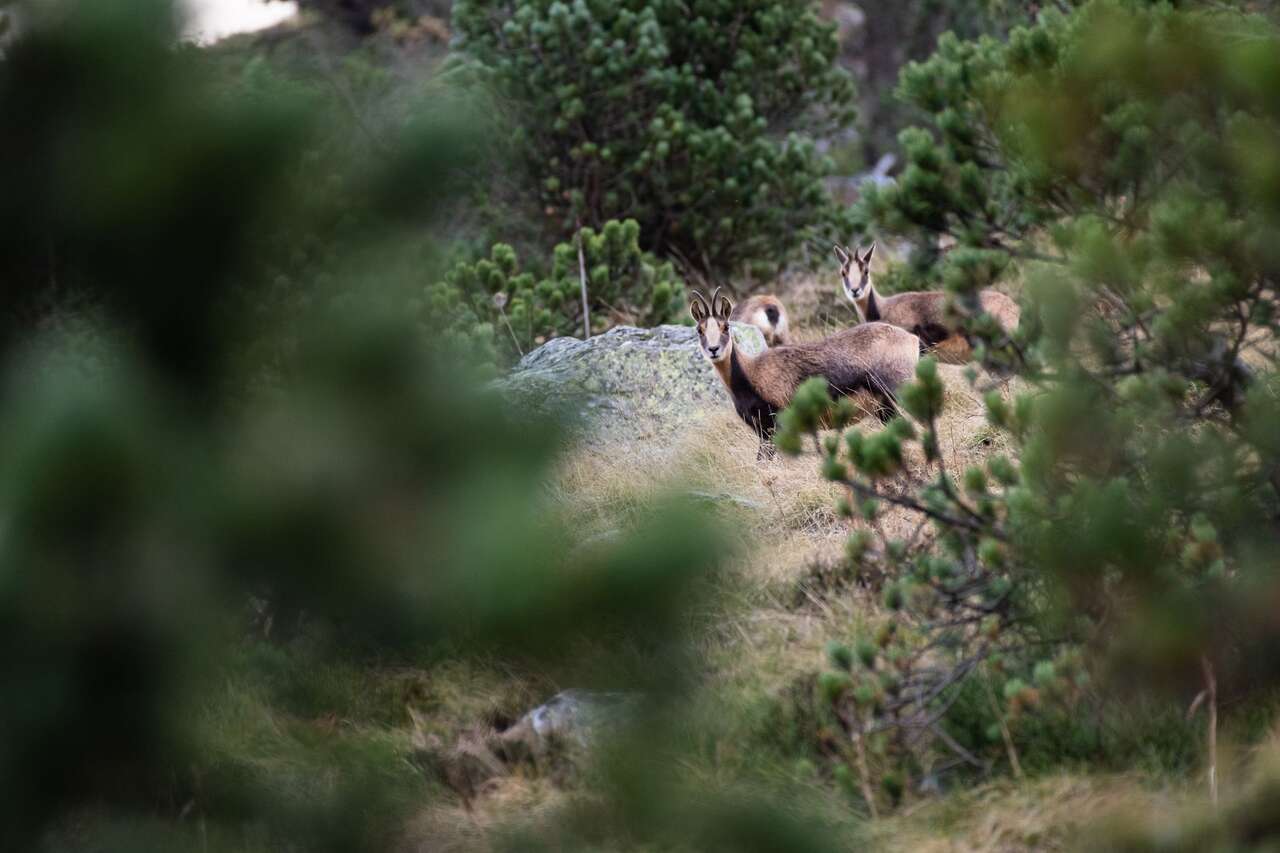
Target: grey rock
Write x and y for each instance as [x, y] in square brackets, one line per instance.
[930, 786]
[628, 383]
[724, 498]
[572, 719]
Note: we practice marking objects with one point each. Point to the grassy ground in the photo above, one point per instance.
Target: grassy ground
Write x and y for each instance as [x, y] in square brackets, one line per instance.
[782, 600]
[779, 604]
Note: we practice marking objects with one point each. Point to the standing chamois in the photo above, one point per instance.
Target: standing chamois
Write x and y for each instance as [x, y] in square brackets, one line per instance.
[923, 313]
[766, 314]
[867, 363]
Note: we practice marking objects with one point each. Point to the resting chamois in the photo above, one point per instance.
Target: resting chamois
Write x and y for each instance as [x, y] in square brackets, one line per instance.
[923, 313]
[766, 314]
[867, 362]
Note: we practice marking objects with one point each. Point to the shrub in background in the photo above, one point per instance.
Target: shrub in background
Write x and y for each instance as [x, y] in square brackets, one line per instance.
[490, 306]
[694, 119]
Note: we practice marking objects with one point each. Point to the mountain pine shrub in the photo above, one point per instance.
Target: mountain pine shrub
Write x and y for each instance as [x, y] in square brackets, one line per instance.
[492, 309]
[1119, 159]
[696, 120]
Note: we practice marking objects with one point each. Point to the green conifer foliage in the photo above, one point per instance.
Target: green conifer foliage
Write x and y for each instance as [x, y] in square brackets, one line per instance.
[493, 310]
[188, 523]
[693, 119]
[1120, 159]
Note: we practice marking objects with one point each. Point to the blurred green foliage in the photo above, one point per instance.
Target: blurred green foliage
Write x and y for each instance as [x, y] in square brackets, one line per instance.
[240, 483]
[362, 16]
[172, 493]
[695, 120]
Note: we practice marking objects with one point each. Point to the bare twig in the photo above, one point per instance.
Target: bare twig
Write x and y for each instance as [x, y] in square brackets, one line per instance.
[864, 774]
[582, 277]
[500, 302]
[965, 755]
[1211, 690]
[1004, 728]
[915, 506]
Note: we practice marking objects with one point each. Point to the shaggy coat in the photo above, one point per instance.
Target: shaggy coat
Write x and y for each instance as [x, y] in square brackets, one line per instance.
[923, 313]
[768, 315]
[867, 362]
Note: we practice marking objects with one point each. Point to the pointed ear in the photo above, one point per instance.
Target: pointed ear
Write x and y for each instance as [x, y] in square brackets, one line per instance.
[720, 306]
[866, 259]
[698, 308]
[725, 308]
[840, 253]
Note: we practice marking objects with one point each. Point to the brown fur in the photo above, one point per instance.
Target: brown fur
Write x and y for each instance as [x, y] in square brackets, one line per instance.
[755, 310]
[867, 362]
[870, 354]
[923, 313]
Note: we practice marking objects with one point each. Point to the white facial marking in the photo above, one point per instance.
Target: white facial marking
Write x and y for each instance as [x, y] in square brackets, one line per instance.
[715, 339]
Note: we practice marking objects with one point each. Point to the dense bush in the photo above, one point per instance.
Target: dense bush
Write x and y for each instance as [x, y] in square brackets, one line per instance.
[1121, 160]
[491, 303]
[694, 119]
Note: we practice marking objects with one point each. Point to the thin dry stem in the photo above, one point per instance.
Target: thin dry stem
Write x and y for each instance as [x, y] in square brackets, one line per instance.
[1004, 729]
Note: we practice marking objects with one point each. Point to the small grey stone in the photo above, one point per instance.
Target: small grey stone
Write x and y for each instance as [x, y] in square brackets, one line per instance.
[572, 718]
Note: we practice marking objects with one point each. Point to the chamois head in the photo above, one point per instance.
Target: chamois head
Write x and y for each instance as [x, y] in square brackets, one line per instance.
[713, 325]
[857, 283]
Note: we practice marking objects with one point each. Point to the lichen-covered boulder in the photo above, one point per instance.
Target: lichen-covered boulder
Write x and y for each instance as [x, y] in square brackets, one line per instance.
[627, 383]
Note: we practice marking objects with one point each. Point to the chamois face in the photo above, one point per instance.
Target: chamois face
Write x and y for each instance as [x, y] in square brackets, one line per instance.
[855, 272]
[714, 335]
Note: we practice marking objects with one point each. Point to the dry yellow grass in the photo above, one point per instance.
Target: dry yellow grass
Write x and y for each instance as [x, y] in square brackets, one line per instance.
[451, 827]
[783, 511]
[1075, 812]
[1044, 814]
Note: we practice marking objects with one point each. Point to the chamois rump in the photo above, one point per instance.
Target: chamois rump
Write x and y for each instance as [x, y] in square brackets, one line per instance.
[923, 313]
[767, 314]
[867, 363]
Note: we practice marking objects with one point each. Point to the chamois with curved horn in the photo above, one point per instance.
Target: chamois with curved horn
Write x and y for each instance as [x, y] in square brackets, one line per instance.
[923, 313]
[767, 314]
[867, 363]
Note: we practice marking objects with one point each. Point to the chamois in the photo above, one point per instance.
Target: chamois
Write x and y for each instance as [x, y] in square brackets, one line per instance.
[923, 313]
[766, 314]
[866, 362]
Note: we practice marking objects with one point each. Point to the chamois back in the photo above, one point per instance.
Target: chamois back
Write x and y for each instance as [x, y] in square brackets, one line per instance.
[923, 313]
[871, 357]
[867, 362]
